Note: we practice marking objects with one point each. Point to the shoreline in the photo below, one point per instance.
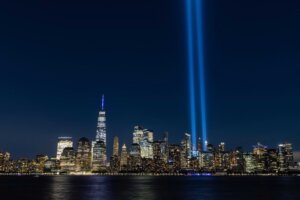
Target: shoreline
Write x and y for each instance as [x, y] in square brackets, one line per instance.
[153, 175]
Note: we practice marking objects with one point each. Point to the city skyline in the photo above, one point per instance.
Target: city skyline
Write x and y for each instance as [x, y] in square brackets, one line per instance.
[153, 156]
[150, 156]
[104, 153]
[100, 135]
[57, 59]
[187, 99]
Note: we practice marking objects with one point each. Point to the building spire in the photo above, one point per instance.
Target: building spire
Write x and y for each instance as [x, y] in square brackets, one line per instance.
[102, 104]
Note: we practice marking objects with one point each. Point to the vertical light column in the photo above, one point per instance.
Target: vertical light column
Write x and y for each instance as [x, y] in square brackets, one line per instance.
[199, 29]
[190, 52]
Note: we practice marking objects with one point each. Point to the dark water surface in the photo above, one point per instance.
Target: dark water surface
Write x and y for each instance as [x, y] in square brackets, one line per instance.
[138, 187]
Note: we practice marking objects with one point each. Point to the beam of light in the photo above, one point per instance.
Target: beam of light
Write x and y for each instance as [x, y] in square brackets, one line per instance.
[190, 51]
[199, 29]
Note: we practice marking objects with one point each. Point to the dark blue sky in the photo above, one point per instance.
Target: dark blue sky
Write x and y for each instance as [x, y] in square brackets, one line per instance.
[58, 57]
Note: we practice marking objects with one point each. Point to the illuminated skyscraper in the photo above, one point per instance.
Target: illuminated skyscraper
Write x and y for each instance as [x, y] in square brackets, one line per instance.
[67, 160]
[83, 155]
[146, 144]
[148, 134]
[144, 139]
[62, 143]
[146, 148]
[115, 159]
[123, 157]
[272, 160]
[101, 126]
[116, 146]
[174, 158]
[138, 135]
[285, 156]
[99, 156]
[40, 163]
[250, 163]
[260, 154]
[135, 157]
[4, 161]
[186, 151]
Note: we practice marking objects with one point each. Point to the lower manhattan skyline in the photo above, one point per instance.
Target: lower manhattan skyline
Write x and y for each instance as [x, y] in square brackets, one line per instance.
[57, 62]
[150, 99]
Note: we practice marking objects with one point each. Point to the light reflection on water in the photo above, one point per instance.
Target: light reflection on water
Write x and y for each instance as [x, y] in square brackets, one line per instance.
[102, 187]
[142, 188]
[148, 188]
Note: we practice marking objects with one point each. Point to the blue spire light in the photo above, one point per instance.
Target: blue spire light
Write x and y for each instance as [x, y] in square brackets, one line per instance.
[102, 103]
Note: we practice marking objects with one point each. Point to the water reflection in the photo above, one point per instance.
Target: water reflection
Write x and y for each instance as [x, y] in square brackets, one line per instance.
[143, 187]
[60, 187]
[148, 188]
[98, 187]
[78, 187]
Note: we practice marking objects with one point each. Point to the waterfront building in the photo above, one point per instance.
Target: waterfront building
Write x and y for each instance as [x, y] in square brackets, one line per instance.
[186, 151]
[164, 147]
[63, 142]
[115, 159]
[116, 146]
[160, 156]
[99, 157]
[147, 165]
[157, 151]
[218, 160]
[146, 148]
[174, 162]
[83, 155]
[40, 163]
[4, 162]
[135, 158]
[194, 163]
[236, 160]
[67, 160]
[124, 156]
[285, 156]
[101, 125]
[51, 165]
[260, 153]
[250, 163]
[219, 157]
[206, 161]
[114, 163]
[23, 166]
[272, 160]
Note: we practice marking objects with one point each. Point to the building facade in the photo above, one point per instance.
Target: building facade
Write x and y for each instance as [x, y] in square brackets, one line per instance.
[62, 143]
[83, 155]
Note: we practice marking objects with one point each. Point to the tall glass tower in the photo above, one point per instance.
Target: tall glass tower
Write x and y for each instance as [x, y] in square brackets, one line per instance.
[101, 126]
[99, 145]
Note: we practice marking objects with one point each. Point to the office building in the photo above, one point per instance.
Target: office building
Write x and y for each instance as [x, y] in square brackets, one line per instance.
[63, 142]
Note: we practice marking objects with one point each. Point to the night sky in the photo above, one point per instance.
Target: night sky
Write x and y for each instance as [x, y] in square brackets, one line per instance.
[58, 57]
